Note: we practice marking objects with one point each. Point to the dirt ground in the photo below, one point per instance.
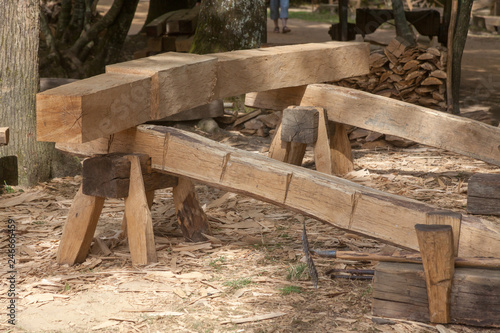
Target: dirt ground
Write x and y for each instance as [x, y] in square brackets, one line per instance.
[253, 267]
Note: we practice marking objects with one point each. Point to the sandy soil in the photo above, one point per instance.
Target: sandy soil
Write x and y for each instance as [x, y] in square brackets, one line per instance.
[253, 265]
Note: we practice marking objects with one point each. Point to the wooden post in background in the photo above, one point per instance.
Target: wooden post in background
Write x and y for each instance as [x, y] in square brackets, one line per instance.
[436, 248]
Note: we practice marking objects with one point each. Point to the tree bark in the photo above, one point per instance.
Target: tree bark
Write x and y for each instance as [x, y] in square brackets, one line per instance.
[459, 39]
[18, 86]
[160, 7]
[109, 47]
[226, 25]
[402, 27]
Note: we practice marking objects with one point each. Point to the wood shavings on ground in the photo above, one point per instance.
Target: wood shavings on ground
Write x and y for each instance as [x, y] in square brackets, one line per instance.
[251, 266]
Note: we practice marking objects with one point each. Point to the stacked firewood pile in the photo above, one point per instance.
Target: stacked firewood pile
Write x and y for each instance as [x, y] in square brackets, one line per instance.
[412, 74]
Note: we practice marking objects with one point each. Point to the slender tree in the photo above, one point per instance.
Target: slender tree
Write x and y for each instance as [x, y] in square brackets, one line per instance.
[18, 86]
[226, 25]
[402, 26]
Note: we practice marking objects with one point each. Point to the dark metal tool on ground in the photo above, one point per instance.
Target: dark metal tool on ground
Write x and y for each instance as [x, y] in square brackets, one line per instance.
[351, 274]
[310, 263]
[412, 258]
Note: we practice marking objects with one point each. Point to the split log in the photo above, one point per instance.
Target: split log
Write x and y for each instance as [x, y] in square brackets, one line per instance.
[385, 115]
[399, 291]
[360, 209]
[4, 136]
[401, 70]
[137, 91]
[483, 194]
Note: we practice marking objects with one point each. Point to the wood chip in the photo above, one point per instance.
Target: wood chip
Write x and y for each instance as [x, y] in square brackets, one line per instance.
[431, 81]
[255, 318]
[247, 117]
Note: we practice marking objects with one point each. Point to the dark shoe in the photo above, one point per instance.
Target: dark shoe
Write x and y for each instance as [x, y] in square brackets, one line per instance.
[286, 29]
[277, 29]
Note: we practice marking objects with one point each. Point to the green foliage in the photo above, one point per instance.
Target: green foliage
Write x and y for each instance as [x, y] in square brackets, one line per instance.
[218, 263]
[287, 290]
[8, 188]
[296, 272]
[238, 283]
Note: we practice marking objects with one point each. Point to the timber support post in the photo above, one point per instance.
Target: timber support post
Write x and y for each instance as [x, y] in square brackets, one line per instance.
[303, 125]
[436, 248]
[118, 175]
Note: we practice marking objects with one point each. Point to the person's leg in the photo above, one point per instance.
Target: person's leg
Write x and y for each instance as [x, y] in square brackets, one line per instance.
[284, 4]
[274, 8]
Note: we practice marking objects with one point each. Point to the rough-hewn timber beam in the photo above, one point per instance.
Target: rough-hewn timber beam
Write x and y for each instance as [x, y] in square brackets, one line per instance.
[381, 114]
[152, 88]
[336, 201]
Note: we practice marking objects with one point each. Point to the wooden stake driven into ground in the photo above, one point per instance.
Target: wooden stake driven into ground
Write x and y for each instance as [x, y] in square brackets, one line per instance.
[339, 202]
[385, 115]
[134, 92]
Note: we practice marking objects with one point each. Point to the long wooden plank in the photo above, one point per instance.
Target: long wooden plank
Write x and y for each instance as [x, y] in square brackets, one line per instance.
[381, 114]
[134, 92]
[334, 200]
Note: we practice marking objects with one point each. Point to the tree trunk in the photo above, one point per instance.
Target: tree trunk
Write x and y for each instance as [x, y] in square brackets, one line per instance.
[226, 25]
[459, 39]
[18, 86]
[160, 7]
[97, 44]
[110, 46]
[402, 27]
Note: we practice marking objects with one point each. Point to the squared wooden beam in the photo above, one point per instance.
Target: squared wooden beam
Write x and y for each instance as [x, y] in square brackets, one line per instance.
[111, 103]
